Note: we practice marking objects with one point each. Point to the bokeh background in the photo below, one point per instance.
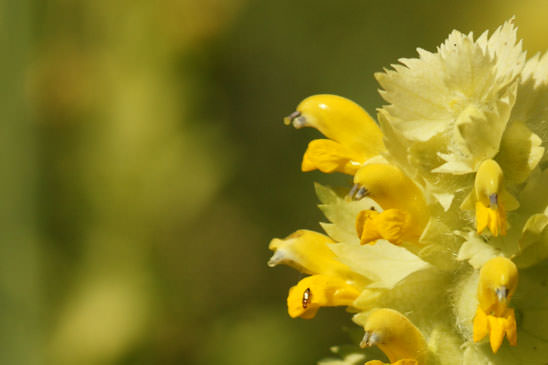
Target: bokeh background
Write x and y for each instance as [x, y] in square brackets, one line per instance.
[145, 166]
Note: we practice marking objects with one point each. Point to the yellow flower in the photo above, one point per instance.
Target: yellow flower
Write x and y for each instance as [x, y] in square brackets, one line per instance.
[406, 212]
[348, 147]
[447, 209]
[396, 336]
[497, 284]
[490, 198]
[307, 251]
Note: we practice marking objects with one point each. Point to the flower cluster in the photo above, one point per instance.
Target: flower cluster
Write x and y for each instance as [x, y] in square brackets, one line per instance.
[439, 246]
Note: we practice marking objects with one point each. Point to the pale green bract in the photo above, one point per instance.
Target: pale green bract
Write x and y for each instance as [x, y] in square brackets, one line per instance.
[347, 355]
[449, 111]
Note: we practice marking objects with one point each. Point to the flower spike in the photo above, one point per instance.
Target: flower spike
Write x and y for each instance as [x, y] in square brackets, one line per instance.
[463, 126]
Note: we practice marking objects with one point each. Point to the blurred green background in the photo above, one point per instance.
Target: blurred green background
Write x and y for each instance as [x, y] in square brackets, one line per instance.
[145, 166]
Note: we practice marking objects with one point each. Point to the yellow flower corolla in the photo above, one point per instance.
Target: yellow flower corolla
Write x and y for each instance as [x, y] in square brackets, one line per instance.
[492, 216]
[393, 225]
[391, 188]
[307, 251]
[353, 135]
[396, 336]
[496, 327]
[490, 198]
[406, 212]
[317, 291]
[447, 207]
[497, 284]
[329, 156]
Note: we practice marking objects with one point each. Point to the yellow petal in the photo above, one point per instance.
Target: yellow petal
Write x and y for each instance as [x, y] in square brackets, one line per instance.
[482, 217]
[498, 222]
[317, 291]
[481, 325]
[496, 329]
[341, 120]
[495, 219]
[511, 328]
[366, 227]
[393, 225]
[329, 156]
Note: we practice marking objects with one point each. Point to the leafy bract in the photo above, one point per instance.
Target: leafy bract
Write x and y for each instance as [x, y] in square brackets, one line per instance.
[534, 241]
[475, 250]
[464, 92]
[530, 107]
[520, 152]
[383, 263]
[346, 355]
